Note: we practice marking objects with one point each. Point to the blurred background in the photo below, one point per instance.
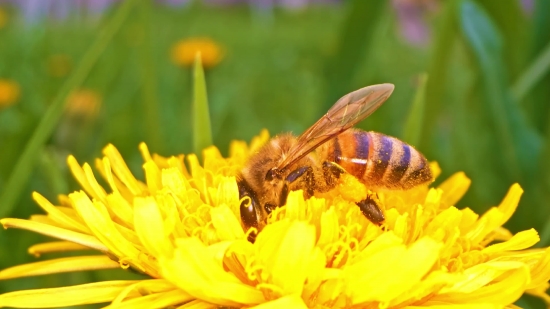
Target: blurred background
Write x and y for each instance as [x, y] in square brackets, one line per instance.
[472, 89]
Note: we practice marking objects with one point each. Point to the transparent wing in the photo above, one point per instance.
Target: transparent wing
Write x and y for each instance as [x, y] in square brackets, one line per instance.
[344, 114]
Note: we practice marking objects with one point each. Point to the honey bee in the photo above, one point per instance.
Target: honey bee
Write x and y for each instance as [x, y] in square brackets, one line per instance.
[315, 160]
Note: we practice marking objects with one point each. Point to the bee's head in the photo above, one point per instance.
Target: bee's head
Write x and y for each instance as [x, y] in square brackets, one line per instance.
[263, 183]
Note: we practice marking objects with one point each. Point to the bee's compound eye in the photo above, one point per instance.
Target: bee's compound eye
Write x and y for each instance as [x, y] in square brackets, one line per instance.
[249, 214]
[249, 208]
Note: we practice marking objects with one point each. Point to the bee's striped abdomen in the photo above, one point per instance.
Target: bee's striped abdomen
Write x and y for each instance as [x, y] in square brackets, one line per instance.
[345, 150]
[378, 160]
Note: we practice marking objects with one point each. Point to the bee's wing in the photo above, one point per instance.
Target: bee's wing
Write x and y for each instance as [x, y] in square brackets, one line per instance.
[346, 112]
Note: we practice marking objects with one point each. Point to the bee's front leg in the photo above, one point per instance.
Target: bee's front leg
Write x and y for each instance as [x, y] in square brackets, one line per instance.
[301, 178]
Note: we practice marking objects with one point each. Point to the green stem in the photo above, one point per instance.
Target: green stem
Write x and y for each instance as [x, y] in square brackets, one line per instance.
[534, 73]
[149, 85]
[413, 126]
[24, 166]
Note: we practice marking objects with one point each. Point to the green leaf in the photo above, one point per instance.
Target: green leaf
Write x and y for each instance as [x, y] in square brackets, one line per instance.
[537, 104]
[446, 33]
[202, 131]
[149, 78]
[24, 166]
[513, 25]
[356, 37]
[55, 178]
[413, 126]
[532, 75]
[520, 145]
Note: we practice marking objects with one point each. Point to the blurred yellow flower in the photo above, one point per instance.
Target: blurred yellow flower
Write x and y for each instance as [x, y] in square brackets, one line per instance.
[184, 51]
[3, 17]
[9, 92]
[83, 104]
[183, 229]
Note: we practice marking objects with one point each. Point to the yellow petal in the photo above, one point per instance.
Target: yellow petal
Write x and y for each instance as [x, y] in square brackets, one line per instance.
[107, 231]
[68, 264]
[98, 191]
[436, 169]
[288, 266]
[104, 167]
[57, 215]
[329, 228]
[195, 270]
[152, 176]
[48, 230]
[144, 287]
[99, 221]
[521, 240]
[121, 209]
[392, 268]
[432, 283]
[492, 282]
[454, 188]
[91, 293]
[540, 270]
[122, 171]
[228, 194]
[292, 301]
[510, 202]
[296, 206]
[227, 226]
[80, 175]
[156, 300]
[259, 140]
[284, 251]
[443, 305]
[149, 227]
[144, 150]
[55, 246]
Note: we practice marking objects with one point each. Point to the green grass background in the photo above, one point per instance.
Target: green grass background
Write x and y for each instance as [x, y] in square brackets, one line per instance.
[484, 109]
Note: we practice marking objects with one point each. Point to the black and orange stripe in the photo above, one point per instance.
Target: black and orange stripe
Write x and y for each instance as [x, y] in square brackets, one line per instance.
[377, 159]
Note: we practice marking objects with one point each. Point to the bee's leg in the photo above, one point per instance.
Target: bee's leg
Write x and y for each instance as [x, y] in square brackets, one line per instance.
[371, 210]
[331, 172]
[302, 174]
[368, 206]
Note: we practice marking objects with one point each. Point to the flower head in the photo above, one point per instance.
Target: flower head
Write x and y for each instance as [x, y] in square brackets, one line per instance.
[184, 52]
[182, 228]
[9, 92]
[83, 104]
[3, 17]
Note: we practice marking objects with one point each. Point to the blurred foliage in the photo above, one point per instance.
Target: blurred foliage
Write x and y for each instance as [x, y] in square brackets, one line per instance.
[475, 98]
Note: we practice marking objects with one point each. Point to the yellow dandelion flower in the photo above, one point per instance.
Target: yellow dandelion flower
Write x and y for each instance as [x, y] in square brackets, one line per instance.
[3, 17]
[184, 52]
[9, 92]
[181, 226]
[83, 104]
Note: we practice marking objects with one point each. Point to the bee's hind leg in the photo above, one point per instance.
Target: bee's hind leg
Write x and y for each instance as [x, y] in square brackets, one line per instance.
[368, 206]
[371, 210]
